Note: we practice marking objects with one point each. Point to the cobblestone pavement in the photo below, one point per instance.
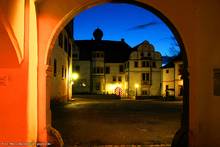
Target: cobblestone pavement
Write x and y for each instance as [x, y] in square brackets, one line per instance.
[100, 123]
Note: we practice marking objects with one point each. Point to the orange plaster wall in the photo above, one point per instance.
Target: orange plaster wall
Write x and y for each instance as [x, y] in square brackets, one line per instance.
[13, 82]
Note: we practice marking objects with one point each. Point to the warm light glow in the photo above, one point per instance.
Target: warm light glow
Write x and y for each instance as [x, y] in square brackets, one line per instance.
[75, 76]
[110, 88]
[136, 85]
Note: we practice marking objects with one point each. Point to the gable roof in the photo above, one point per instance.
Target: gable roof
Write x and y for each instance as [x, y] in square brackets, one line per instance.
[114, 51]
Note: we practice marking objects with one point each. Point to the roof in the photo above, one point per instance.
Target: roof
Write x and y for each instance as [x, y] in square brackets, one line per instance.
[173, 60]
[114, 51]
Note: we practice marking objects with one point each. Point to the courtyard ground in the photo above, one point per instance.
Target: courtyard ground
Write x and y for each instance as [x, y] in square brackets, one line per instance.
[86, 122]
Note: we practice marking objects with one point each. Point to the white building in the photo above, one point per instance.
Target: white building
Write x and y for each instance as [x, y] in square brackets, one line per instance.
[172, 80]
[113, 67]
[61, 62]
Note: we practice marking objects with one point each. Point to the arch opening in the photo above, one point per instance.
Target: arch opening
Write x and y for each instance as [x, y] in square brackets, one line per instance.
[185, 117]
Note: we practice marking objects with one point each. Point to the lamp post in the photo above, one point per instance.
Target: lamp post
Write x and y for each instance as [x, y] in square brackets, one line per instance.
[74, 77]
[136, 88]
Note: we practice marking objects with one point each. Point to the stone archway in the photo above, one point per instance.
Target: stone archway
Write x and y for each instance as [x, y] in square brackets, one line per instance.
[45, 49]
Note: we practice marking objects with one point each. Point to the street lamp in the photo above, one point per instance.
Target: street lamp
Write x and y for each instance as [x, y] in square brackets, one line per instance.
[136, 87]
[74, 77]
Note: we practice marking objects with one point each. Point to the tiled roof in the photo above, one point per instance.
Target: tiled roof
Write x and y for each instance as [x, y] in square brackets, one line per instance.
[114, 51]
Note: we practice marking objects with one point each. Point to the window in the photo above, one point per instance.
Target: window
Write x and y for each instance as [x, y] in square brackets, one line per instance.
[98, 70]
[114, 78]
[121, 68]
[65, 44]
[144, 92]
[145, 64]
[149, 54]
[107, 70]
[145, 76]
[167, 71]
[60, 40]
[119, 79]
[55, 68]
[136, 64]
[98, 85]
[75, 55]
[154, 64]
[77, 68]
[180, 70]
[62, 71]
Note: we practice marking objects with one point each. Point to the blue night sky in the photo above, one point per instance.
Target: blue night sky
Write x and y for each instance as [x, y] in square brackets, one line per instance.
[127, 21]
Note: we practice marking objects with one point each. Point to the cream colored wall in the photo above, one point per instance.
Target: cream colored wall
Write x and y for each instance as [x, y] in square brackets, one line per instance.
[110, 85]
[167, 79]
[178, 80]
[59, 84]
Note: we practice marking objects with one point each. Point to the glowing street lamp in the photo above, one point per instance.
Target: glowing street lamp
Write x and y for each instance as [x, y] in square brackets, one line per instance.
[74, 77]
[136, 87]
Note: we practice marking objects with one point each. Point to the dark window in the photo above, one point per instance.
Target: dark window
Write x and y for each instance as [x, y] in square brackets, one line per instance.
[154, 64]
[144, 92]
[107, 70]
[101, 55]
[94, 70]
[77, 68]
[149, 54]
[98, 85]
[119, 79]
[180, 72]
[167, 71]
[94, 55]
[55, 68]
[97, 55]
[121, 68]
[65, 73]
[143, 64]
[114, 78]
[147, 64]
[145, 76]
[101, 70]
[65, 44]
[60, 40]
[136, 64]
[69, 49]
[75, 55]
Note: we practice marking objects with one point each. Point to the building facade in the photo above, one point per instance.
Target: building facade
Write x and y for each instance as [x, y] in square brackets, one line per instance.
[61, 63]
[113, 67]
[172, 80]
